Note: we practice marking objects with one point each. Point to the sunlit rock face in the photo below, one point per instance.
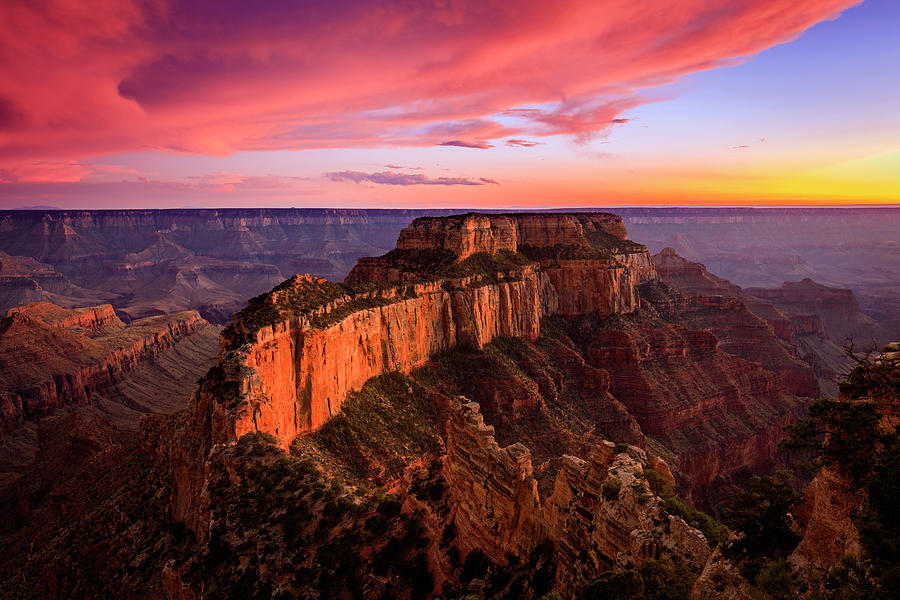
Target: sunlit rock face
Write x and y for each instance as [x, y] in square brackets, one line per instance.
[293, 372]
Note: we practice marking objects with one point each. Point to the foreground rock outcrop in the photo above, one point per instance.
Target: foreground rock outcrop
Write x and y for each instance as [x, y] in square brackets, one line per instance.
[601, 513]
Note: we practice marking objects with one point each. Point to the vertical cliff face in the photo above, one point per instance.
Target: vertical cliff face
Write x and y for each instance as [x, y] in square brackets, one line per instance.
[302, 373]
[92, 318]
[457, 281]
[465, 235]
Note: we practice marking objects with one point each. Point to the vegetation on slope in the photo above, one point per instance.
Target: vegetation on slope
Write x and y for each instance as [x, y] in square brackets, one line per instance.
[857, 437]
[283, 527]
[714, 531]
[655, 579]
[381, 429]
[307, 296]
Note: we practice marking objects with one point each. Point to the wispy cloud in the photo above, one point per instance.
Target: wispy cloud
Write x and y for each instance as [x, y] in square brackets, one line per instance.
[516, 143]
[481, 144]
[391, 178]
[402, 167]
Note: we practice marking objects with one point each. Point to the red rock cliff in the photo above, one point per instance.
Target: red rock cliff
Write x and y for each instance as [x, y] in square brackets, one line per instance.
[293, 372]
[465, 235]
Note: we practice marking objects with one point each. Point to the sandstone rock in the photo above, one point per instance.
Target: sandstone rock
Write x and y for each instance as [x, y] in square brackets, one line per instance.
[498, 509]
[294, 374]
[745, 325]
[467, 234]
[825, 519]
[51, 357]
[838, 308]
[719, 580]
[175, 588]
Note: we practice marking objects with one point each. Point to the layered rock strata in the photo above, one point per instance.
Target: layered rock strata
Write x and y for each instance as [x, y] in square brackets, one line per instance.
[796, 346]
[51, 357]
[837, 308]
[292, 360]
[600, 515]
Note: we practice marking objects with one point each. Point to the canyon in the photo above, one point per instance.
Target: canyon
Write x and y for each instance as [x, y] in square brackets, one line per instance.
[295, 373]
[53, 357]
[504, 405]
[622, 359]
[151, 262]
[790, 338]
[74, 380]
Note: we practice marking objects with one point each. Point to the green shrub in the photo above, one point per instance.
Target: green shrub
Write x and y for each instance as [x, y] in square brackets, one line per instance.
[666, 580]
[611, 488]
[714, 531]
[615, 585]
[762, 515]
[775, 580]
[849, 579]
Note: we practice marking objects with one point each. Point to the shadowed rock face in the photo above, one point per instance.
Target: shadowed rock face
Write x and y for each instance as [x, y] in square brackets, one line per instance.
[837, 308]
[794, 346]
[74, 384]
[499, 510]
[845, 248]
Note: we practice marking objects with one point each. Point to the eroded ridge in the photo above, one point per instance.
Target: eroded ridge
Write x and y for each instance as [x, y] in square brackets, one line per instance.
[289, 359]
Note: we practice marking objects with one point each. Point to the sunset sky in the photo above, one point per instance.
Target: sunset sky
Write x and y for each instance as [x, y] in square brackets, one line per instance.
[452, 103]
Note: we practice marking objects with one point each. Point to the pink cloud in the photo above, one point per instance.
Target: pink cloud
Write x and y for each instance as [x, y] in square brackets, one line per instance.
[479, 144]
[83, 78]
[522, 143]
[61, 171]
[402, 167]
[391, 178]
[40, 172]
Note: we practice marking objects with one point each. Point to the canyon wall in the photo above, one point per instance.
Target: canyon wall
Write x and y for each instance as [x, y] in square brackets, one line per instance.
[465, 235]
[51, 357]
[126, 258]
[301, 374]
[750, 325]
[293, 373]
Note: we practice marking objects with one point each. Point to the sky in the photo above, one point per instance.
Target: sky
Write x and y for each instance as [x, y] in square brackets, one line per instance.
[448, 103]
